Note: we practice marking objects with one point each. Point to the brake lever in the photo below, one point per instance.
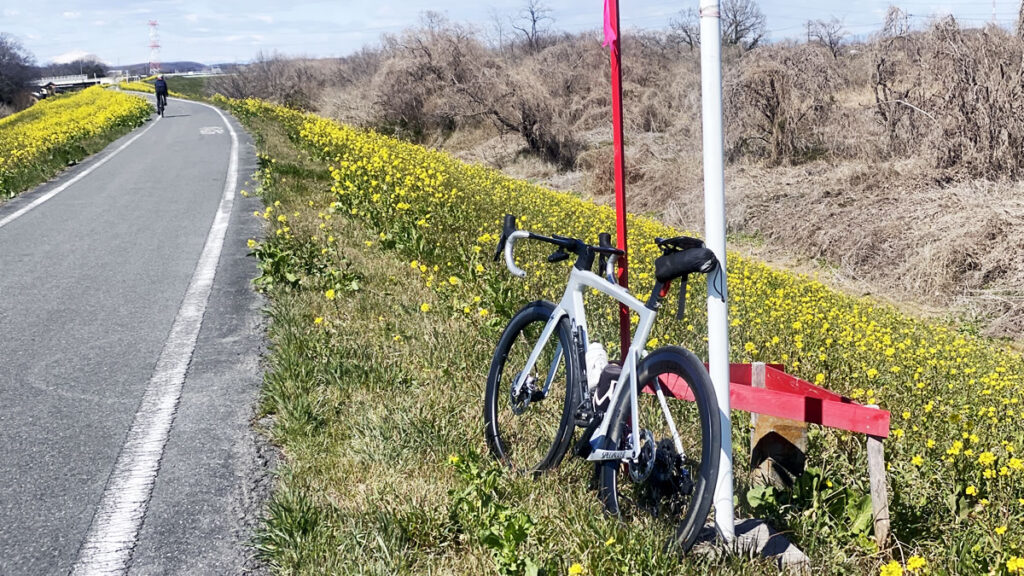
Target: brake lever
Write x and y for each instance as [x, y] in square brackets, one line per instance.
[604, 240]
[558, 255]
[507, 228]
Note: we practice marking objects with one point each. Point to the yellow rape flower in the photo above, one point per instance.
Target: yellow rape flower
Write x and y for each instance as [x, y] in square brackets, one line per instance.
[986, 458]
[893, 568]
[916, 563]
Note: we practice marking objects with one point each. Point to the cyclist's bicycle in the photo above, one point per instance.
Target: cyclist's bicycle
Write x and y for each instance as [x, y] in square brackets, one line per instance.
[538, 394]
[161, 104]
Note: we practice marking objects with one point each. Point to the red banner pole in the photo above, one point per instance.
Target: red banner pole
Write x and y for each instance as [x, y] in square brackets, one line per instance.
[612, 36]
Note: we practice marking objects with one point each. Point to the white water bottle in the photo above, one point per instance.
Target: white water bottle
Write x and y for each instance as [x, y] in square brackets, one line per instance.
[597, 359]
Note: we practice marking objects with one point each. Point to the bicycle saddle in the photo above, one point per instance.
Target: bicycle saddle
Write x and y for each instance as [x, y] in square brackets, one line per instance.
[678, 264]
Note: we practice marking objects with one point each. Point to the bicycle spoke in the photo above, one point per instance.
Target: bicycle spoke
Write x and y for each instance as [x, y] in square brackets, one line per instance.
[529, 431]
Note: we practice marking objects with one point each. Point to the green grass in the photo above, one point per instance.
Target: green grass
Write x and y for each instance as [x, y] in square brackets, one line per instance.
[377, 407]
[188, 86]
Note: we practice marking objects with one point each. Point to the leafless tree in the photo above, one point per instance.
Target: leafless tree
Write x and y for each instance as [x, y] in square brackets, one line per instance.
[15, 70]
[1020, 21]
[497, 33]
[897, 23]
[743, 23]
[684, 28]
[899, 81]
[532, 23]
[829, 34]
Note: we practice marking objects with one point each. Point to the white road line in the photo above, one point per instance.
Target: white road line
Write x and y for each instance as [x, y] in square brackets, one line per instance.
[7, 220]
[111, 538]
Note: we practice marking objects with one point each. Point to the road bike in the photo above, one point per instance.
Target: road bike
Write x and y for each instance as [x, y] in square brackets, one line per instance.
[161, 104]
[652, 460]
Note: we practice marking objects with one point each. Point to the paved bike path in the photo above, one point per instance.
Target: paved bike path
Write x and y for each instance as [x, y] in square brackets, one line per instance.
[90, 284]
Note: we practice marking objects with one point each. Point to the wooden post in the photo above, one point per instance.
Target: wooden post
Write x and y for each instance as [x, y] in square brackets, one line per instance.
[778, 446]
[879, 488]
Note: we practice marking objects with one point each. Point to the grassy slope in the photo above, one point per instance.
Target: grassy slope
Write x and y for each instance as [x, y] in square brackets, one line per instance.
[48, 166]
[371, 402]
[188, 87]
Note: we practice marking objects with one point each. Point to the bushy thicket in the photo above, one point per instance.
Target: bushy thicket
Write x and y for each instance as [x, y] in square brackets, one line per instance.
[943, 91]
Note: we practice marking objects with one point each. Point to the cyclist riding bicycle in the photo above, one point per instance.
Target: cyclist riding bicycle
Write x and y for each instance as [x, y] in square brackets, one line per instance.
[161, 94]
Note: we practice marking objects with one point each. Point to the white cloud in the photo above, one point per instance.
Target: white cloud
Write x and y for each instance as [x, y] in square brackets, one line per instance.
[72, 15]
[264, 18]
[73, 56]
[8, 13]
[99, 22]
[191, 17]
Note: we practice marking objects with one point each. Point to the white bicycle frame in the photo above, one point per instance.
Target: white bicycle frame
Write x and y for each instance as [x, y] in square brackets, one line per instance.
[572, 306]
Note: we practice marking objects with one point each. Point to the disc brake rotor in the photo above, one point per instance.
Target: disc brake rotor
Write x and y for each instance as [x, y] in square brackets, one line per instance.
[640, 469]
[520, 402]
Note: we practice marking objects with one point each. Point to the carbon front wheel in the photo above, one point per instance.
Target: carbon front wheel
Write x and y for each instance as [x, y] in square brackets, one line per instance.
[529, 430]
[666, 488]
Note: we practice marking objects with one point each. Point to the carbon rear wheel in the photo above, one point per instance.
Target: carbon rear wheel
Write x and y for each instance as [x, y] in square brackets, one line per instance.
[665, 489]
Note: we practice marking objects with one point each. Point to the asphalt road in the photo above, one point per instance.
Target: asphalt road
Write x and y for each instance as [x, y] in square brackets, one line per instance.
[91, 283]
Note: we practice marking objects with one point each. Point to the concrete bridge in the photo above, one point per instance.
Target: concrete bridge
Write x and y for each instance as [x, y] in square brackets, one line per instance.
[72, 82]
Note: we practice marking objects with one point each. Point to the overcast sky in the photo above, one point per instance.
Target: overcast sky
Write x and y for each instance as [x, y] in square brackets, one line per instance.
[117, 31]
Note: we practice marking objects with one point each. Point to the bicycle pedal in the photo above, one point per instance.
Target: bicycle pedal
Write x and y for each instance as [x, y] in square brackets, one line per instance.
[583, 416]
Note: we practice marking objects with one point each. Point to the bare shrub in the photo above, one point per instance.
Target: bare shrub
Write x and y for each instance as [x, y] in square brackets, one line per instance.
[541, 97]
[296, 83]
[421, 69]
[982, 114]
[349, 95]
[899, 80]
[439, 76]
[528, 109]
[779, 102]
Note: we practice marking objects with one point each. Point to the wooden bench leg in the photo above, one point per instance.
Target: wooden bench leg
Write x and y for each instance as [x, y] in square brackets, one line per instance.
[879, 490]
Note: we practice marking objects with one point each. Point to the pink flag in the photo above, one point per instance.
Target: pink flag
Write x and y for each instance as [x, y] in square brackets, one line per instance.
[609, 30]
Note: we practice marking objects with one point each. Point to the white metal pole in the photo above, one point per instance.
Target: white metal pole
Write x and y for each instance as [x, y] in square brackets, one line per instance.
[714, 235]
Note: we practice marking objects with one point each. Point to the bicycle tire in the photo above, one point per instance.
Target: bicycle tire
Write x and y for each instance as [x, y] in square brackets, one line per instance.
[701, 415]
[536, 439]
